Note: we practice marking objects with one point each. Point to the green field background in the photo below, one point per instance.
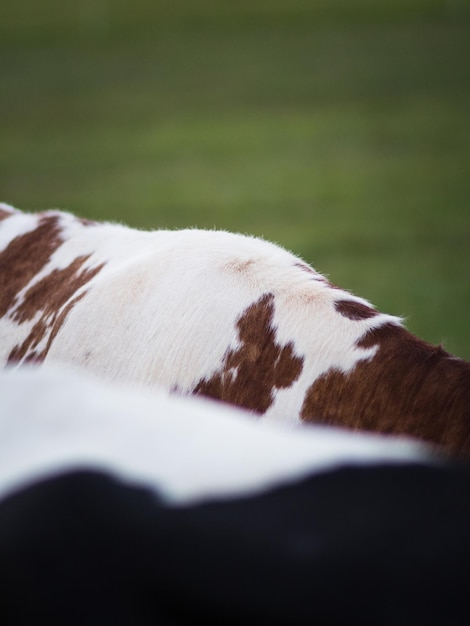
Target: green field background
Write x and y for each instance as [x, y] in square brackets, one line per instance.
[339, 129]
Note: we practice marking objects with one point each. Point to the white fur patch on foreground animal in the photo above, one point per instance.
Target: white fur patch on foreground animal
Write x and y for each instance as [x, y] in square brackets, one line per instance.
[224, 315]
[186, 449]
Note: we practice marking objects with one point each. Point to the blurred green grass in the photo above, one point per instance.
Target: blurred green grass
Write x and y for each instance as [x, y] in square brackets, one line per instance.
[338, 129]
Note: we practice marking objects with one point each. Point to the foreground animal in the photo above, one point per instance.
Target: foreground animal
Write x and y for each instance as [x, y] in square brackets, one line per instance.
[123, 506]
[54, 421]
[224, 315]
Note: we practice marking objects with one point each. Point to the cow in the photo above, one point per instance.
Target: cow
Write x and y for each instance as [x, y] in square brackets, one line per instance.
[224, 315]
[136, 506]
[187, 449]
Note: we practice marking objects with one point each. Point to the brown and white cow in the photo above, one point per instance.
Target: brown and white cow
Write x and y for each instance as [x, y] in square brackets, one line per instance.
[224, 315]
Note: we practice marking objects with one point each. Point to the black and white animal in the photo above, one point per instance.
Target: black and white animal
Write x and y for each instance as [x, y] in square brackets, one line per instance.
[130, 506]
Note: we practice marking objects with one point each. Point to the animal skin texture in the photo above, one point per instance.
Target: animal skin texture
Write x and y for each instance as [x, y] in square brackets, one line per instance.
[224, 315]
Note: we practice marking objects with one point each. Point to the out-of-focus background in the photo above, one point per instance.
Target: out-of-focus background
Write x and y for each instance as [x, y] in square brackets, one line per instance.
[337, 128]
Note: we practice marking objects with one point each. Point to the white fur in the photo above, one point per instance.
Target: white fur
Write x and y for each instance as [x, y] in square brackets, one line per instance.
[187, 449]
[163, 310]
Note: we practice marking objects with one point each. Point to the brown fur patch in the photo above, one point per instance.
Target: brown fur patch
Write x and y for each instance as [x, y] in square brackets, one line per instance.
[52, 298]
[4, 214]
[355, 310]
[27, 350]
[24, 257]
[306, 268]
[250, 373]
[240, 266]
[54, 290]
[317, 276]
[409, 387]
